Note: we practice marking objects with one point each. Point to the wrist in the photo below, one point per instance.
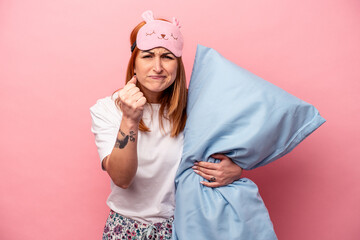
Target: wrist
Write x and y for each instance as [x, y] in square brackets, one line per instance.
[129, 124]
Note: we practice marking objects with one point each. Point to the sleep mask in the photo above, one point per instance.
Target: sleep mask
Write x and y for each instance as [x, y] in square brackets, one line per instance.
[159, 33]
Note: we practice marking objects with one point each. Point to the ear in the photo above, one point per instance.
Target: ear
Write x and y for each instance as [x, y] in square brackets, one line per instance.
[176, 22]
[148, 16]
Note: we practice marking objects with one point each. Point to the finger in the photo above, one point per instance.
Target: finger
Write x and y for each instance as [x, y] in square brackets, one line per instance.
[130, 84]
[207, 165]
[127, 87]
[205, 170]
[131, 95]
[121, 93]
[132, 80]
[137, 96]
[211, 184]
[133, 91]
[204, 175]
[225, 160]
[141, 102]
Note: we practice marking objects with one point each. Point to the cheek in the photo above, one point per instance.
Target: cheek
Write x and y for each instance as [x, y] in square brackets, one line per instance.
[174, 72]
[139, 68]
[135, 64]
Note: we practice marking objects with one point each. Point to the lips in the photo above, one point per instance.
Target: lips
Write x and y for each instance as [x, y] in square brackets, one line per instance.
[157, 76]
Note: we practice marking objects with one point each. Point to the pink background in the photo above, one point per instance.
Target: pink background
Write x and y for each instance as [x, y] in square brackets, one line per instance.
[58, 57]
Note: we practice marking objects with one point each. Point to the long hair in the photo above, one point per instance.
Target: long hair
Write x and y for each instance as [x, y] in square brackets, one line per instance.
[173, 99]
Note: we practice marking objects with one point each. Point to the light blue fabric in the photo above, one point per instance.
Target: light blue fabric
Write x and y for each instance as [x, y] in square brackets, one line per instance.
[234, 112]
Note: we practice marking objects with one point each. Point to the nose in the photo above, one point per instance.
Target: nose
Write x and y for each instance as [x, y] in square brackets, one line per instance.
[163, 35]
[158, 65]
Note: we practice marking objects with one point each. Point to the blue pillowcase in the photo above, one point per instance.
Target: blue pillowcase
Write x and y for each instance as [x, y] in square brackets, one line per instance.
[234, 112]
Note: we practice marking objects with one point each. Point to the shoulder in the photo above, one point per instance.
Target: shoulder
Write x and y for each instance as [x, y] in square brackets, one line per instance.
[106, 109]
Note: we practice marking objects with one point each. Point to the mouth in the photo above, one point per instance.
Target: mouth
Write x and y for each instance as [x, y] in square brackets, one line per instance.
[157, 77]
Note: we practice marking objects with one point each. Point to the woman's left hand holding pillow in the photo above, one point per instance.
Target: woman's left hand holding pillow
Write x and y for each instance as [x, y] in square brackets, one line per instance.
[218, 174]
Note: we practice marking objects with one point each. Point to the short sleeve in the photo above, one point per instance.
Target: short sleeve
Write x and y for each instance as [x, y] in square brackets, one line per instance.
[105, 125]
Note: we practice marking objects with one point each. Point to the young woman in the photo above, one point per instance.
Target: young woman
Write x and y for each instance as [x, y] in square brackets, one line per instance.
[139, 134]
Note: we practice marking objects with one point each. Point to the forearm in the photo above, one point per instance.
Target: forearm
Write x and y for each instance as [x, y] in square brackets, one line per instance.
[122, 163]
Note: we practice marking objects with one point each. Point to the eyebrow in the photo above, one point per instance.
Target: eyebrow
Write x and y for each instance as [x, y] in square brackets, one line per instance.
[149, 51]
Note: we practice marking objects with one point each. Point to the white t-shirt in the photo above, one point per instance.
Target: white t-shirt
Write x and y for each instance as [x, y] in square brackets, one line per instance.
[151, 195]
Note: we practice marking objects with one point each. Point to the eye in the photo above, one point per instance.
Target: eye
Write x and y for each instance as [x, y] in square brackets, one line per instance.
[149, 34]
[147, 56]
[174, 37]
[168, 56]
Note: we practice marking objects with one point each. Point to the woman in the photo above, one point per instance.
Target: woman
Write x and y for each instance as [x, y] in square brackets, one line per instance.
[139, 135]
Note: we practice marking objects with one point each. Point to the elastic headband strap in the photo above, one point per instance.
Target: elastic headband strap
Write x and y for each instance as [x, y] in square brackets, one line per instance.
[133, 46]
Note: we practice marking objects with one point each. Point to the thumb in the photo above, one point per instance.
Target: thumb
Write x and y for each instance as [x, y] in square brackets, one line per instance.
[132, 80]
[220, 157]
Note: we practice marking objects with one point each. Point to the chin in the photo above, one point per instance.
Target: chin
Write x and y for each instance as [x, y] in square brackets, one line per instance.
[157, 89]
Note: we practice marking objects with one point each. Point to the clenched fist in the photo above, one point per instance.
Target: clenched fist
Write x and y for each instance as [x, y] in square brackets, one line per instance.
[132, 102]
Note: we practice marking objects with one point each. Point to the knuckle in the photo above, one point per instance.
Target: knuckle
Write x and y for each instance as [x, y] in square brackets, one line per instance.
[126, 100]
[122, 97]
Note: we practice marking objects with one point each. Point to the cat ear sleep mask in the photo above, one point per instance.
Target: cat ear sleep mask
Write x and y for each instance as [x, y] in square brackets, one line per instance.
[158, 33]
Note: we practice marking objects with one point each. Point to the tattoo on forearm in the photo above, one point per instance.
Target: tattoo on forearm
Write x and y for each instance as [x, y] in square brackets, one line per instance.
[132, 136]
[121, 143]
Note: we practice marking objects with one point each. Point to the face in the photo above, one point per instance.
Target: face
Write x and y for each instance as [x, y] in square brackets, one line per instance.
[155, 71]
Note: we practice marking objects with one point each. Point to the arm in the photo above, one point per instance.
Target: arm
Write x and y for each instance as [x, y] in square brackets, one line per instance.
[224, 172]
[122, 163]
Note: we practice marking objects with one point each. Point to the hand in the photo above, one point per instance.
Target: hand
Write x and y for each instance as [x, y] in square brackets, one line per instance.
[219, 174]
[132, 101]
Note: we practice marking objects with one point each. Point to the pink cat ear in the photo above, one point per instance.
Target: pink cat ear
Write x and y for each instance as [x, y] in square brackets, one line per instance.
[176, 22]
[148, 16]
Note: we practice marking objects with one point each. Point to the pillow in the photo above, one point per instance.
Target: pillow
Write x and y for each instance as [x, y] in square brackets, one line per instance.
[234, 112]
